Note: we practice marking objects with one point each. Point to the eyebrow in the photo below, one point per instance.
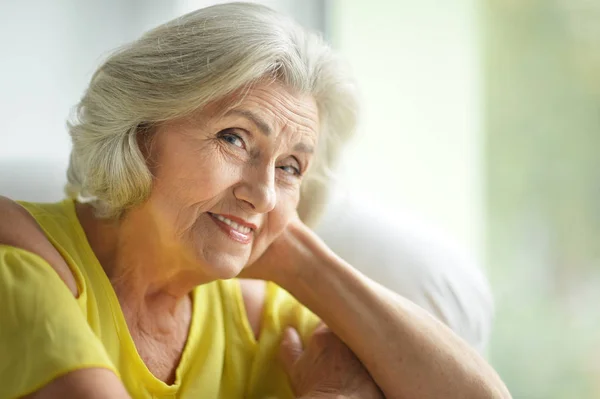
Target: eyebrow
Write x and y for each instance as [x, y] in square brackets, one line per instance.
[252, 117]
[265, 128]
[303, 147]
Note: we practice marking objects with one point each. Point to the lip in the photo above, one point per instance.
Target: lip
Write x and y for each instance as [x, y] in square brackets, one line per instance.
[232, 233]
[238, 220]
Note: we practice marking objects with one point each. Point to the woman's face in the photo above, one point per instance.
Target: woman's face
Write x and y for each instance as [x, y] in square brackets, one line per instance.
[227, 180]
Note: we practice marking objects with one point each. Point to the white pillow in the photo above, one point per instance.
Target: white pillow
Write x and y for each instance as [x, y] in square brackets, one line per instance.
[412, 259]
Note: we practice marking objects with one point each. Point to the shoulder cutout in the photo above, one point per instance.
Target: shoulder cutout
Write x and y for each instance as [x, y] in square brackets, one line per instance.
[254, 294]
[19, 229]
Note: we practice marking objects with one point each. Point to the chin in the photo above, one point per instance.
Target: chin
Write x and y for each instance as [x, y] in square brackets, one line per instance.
[223, 266]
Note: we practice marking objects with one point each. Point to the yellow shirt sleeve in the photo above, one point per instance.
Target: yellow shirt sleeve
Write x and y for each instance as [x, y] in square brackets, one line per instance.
[43, 333]
[284, 310]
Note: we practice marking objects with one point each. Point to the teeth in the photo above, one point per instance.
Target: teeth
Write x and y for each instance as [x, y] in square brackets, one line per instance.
[236, 226]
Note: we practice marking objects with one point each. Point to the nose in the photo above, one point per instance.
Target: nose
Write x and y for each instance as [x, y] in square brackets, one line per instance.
[257, 190]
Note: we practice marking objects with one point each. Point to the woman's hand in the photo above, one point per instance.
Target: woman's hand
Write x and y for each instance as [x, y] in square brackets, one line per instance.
[326, 368]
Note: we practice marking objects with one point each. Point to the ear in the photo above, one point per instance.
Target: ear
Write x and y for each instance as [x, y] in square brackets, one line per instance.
[145, 138]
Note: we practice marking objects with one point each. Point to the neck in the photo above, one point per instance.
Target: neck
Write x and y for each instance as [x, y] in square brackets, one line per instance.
[149, 276]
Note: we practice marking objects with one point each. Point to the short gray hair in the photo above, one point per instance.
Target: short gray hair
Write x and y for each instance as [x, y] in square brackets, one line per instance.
[182, 66]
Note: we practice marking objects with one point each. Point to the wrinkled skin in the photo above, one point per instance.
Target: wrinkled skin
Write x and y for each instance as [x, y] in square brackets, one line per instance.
[247, 162]
[326, 368]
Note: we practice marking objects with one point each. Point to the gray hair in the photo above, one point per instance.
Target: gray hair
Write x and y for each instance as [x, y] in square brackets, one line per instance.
[182, 66]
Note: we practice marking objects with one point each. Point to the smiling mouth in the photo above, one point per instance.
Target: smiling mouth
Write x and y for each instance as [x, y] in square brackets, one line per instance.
[234, 230]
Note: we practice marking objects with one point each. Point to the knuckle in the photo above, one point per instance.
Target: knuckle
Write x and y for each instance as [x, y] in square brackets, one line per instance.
[323, 339]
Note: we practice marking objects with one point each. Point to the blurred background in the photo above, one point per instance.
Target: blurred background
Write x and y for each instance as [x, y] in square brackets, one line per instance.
[481, 118]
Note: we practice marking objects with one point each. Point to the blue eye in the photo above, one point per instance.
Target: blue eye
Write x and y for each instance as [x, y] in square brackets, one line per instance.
[292, 170]
[233, 139]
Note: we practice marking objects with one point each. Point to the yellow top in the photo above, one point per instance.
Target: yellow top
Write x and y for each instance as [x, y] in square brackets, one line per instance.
[45, 332]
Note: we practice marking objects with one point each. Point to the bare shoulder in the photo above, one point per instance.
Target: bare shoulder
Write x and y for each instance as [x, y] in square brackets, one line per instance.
[254, 293]
[19, 229]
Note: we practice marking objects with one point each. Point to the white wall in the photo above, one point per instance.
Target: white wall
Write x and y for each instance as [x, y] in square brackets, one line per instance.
[419, 149]
[49, 50]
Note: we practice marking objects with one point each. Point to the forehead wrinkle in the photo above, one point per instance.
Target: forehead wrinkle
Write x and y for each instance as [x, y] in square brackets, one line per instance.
[277, 96]
[291, 128]
[291, 115]
[278, 108]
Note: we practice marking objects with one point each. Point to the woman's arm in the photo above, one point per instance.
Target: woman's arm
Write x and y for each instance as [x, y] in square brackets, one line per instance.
[407, 352]
[30, 357]
[83, 384]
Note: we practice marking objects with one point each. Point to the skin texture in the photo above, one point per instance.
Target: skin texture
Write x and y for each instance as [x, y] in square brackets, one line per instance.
[247, 160]
[83, 384]
[325, 352]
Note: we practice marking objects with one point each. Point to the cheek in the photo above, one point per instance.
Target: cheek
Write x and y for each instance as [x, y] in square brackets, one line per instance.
[187, 185]
[197, 177]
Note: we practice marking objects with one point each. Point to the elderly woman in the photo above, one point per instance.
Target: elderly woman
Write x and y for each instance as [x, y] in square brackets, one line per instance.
[199, 153]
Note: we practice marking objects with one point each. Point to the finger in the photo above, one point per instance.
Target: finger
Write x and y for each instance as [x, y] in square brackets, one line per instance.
[290, 349]
[321, 327]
